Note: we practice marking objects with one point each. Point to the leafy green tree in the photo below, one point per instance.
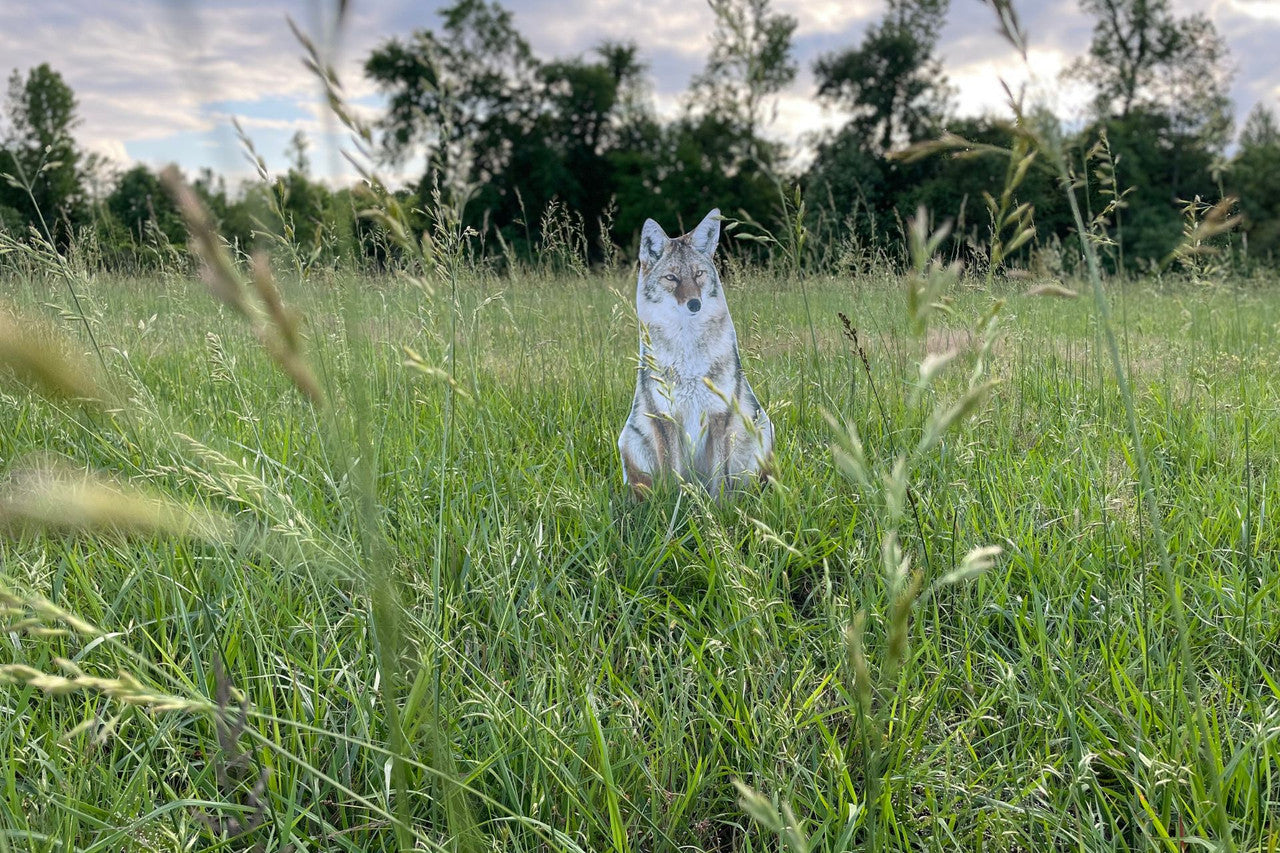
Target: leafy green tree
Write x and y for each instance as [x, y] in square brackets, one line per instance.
[1142, 57]
[1255, 180]
[891, 85]
[750, 62]
[565, 155]
[460, 95]
[302, 205]
[37, 148]
[851, 184]
[893, 90]
[1162, 169]
[584, 112]
[233, 217]
[701, 162]
[140, 203]
[510, 133]
[716, 153]
[636, 161]
[1161, 95]
[955, 188]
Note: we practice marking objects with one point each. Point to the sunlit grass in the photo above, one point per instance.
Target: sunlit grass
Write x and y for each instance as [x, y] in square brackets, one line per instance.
[589, 673]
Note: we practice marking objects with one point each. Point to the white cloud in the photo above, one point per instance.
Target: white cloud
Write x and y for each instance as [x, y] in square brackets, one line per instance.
[147, 73]
[829, 16]
[676, 32]
[1039, 80]
[562, 29]
[111, 149]
[1263, 10]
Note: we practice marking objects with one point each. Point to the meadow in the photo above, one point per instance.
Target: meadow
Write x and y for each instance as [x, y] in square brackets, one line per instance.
[451, 628]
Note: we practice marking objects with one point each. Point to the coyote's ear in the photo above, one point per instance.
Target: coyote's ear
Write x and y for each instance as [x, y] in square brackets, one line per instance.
[707, 234]
[653, 240]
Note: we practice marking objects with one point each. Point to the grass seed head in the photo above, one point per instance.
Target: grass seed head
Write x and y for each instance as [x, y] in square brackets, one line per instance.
[59, 500]
[35, 361]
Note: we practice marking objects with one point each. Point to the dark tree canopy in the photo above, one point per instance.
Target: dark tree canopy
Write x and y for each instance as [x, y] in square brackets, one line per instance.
[139, 201]
[512, 132]
[892, 88]
[750, 61]
[458, 94]
[1255, 179]
[1160, 86]
[503, 128]
[892, 85]
[39, 150]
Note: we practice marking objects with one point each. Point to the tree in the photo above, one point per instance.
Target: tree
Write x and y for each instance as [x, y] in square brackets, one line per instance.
[1163, 169]
[954, 186]
[139, 202]
[302, 204]
[462, 95]
[750, 62]
[891, 85]
[893, 90]
[1255, 179]
[850, 184]
[1144, 58]
[715, 153]
[39, 151]
[1161, 95]
[508, 132]
[234, 219]
[701, 160]
[592, 111]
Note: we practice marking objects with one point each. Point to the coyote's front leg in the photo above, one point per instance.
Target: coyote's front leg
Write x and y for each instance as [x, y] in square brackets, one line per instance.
[649, 449]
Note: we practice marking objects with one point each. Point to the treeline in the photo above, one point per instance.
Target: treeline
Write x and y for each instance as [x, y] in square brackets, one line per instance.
[569, 155]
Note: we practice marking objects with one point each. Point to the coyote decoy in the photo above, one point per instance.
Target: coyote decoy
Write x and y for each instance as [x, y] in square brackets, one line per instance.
[694, 415]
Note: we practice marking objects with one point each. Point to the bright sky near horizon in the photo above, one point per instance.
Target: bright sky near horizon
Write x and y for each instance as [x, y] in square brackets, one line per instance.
[159, 81]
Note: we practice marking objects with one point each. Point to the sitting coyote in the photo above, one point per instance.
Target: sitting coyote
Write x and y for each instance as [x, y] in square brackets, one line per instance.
[693, 415]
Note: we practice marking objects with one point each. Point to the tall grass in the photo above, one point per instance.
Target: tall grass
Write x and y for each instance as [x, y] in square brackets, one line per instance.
[1033, 707]
[340, 562]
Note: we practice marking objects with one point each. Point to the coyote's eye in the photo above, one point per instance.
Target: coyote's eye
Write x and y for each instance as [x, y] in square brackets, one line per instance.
[699, 273]
[670, 277]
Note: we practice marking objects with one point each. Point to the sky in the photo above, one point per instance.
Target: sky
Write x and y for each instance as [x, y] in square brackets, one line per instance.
[159, 81]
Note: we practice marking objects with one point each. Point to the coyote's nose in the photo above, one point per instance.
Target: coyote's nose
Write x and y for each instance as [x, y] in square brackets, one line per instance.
[694, 306]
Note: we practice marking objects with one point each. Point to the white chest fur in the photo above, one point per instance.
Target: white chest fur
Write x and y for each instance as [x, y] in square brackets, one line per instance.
[681, 362]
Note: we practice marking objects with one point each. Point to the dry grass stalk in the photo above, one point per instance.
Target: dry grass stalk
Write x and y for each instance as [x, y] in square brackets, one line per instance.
[124, 688]
[34, 361]
[55, 499]
[33, 616]
[275, 327]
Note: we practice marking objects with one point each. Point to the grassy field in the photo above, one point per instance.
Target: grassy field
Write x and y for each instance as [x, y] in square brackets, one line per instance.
[454, 629]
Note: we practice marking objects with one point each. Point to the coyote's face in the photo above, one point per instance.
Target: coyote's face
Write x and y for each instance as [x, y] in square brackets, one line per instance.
[679, 288]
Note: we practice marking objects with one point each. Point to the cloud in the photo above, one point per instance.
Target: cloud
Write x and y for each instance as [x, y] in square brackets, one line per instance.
[676, 27]
[148, 71]
[1262, 10]
[111, 149]
[674, 35]
[830, 17]
[1039, 80]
